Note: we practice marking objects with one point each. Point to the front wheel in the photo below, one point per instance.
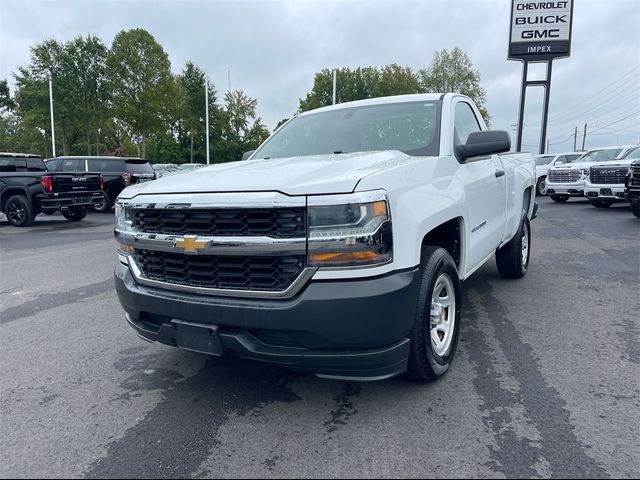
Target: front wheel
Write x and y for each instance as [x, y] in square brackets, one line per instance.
[635, 208]
[541, 188]
[601, 203]
[559, 198]
[434, 336]
[75, 215]
[513, 259]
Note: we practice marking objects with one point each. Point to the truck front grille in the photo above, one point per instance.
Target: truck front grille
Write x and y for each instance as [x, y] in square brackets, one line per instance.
[287, 222]
[564, 176]
[259, 273]
[607, 176]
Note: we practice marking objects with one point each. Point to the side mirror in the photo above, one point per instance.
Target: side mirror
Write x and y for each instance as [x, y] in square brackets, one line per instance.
[558, 162]
[246, 155]
[487, 142]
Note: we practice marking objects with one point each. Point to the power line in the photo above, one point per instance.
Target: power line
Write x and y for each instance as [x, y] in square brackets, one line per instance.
[617, 121]
[599, 98]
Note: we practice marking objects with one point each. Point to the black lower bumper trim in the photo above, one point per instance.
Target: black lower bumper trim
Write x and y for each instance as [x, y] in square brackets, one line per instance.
[356, 329]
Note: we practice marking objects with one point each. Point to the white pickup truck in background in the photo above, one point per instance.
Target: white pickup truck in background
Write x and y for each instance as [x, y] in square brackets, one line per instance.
[546, 161]
[605, 183]
[338, 247]
[567, 180]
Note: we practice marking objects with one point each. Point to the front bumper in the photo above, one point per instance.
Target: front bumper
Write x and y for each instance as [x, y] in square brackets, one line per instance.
[574, 189]
[352, 329]
[608, 192]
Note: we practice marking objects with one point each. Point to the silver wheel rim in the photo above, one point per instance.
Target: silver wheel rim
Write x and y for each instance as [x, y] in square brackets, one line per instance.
[542, 187]
[442, 315]
[525, 245]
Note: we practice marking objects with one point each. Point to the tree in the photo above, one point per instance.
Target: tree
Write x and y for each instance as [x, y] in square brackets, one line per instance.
[454, 72]
[139, 74]
[84, 61]
[6, 102]
[192, 84]
[280, 123]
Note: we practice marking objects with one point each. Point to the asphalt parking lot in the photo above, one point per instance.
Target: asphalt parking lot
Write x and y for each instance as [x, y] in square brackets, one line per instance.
[545, 383]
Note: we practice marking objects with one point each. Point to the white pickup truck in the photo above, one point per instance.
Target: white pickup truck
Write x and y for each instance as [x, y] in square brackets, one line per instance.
[605, 183]
[338, 247]
[568, 179]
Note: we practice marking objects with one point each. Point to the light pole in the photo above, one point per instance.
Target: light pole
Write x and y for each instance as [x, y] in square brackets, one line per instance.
[53, 131]
[206, 113]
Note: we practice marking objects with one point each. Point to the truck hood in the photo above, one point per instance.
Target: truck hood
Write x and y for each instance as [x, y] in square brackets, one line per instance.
[306, 175]
[613, 164]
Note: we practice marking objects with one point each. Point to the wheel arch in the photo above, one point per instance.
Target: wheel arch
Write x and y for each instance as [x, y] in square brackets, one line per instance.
[448, 235]
[10, 192]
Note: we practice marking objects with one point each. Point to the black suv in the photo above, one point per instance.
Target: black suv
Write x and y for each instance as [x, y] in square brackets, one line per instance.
[118, 173]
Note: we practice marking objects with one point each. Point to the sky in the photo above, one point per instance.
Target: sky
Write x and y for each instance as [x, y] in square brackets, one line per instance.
[272, 50]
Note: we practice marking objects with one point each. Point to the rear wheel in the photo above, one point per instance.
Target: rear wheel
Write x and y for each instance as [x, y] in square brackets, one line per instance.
[635, 208]
[434, 336]
[104, 205]
[560, 198]
[513, 259]
[19, 211]
[75, 215]
[601, 203]
[541, 188]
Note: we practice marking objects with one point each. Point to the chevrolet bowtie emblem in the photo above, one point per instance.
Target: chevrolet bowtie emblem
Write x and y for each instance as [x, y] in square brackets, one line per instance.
[189, 244]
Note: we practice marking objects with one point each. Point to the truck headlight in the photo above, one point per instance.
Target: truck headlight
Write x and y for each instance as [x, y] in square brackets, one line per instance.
[349, 230]
[124, 217]
[584, 172]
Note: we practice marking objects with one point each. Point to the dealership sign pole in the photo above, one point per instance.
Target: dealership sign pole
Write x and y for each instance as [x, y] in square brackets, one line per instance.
[540, 32]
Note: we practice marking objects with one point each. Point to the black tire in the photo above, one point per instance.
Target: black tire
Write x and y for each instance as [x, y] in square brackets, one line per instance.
[601, 203]
[635, 208]
[425, 363]
[541, 188]
[75, 215]
[512, 259]
[104, 205]
[19, 211]
[559, 198]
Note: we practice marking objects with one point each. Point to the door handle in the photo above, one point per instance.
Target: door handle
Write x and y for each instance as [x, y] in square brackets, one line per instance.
[499, 173]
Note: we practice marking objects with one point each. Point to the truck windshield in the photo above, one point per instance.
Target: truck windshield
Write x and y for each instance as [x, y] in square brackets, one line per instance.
[632, 154]
[411, 127]
[544, 159]
[600, 155]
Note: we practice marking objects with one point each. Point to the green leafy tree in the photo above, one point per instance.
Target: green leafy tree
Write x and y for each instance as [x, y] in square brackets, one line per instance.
[280, 123]
[6, 102]
[139, 74]
[192, 89]
[454, 72]
[84, 61]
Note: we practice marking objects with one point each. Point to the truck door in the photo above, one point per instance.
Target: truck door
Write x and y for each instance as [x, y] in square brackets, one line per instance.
[485, 191]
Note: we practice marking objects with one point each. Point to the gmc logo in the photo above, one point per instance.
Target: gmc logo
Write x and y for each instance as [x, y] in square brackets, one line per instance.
[78, 179]
[552, 33]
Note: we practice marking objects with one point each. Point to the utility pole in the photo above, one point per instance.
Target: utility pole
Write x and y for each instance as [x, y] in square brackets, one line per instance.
[53, 130]
[334, 86]
[206, 113]
[575, 138]
[584, 136]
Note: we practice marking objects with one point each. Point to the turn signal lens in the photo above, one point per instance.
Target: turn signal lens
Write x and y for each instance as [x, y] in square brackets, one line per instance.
[338, 258]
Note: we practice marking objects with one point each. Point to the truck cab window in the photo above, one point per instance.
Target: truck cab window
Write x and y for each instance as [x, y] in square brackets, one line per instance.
[465, 123]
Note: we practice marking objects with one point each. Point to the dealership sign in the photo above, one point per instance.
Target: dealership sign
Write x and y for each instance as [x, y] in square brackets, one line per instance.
[540, 30]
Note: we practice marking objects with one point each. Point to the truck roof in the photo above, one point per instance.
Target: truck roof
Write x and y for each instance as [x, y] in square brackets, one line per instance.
[419, 97]
[21, 155]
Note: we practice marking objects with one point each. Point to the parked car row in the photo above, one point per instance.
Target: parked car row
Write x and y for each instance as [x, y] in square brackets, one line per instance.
[27, 189]
[75, 184]
[602, 175]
